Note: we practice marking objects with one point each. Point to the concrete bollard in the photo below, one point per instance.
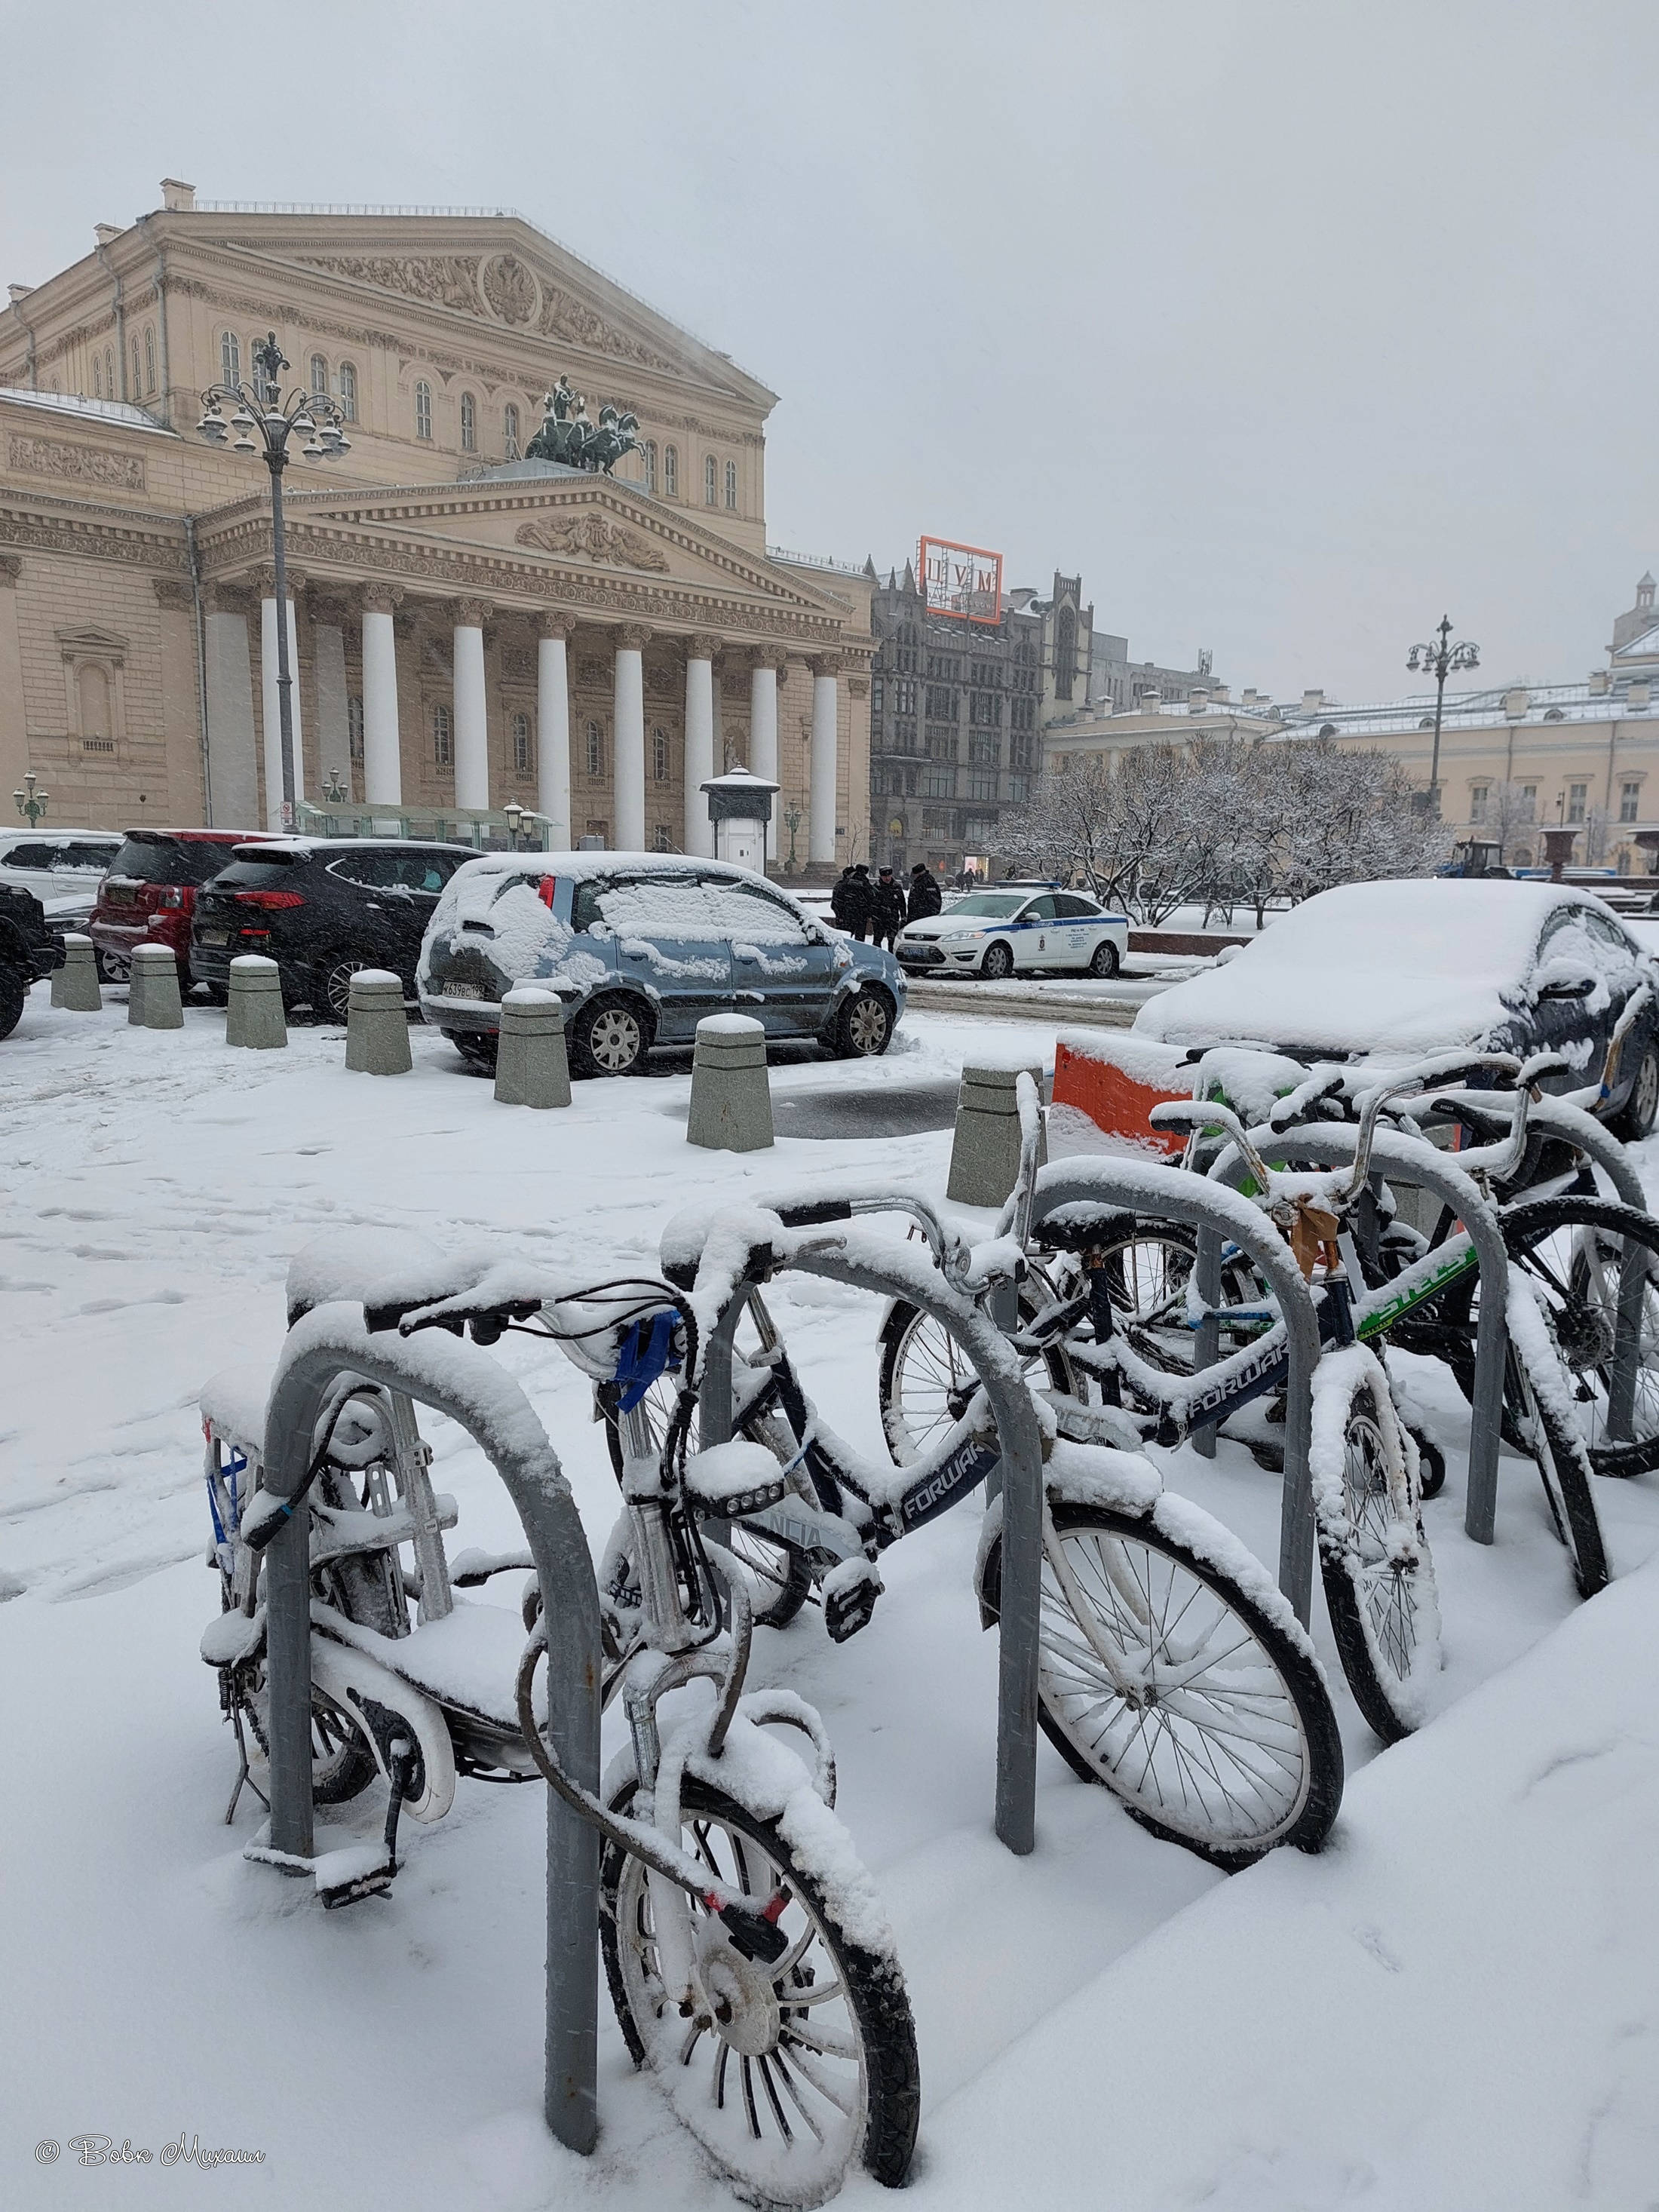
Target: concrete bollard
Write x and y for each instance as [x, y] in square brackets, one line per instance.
[532, 1068]
[730, 1101]
[75, 985]
[377, 1028]
[985, 1147]
[155, 988]
[254, 1010]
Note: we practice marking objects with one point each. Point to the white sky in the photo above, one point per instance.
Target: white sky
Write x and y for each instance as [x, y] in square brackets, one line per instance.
[1290, 326]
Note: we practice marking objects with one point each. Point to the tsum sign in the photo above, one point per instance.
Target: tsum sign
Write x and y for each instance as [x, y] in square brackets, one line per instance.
[965, 580]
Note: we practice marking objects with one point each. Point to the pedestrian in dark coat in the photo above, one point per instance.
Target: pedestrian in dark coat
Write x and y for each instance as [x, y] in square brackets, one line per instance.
[887, 911]
[851, 899]
[925, 895]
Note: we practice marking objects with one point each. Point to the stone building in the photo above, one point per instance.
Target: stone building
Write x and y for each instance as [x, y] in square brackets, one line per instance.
[470, 629]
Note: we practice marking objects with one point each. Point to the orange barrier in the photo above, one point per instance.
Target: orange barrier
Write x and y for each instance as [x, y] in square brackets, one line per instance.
[1113, 1100]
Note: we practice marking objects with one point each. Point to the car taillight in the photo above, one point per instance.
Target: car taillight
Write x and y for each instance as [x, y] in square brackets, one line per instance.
[176, 895]
[270, 900]
[546, 889]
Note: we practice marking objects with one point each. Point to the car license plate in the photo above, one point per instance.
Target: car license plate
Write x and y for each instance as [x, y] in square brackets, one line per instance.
[215, 937]
[460, 991]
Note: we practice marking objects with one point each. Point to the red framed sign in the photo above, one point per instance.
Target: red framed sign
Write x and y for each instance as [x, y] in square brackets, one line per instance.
[965, 580]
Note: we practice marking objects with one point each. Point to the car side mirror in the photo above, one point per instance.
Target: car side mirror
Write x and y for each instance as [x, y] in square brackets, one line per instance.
[1568, 987]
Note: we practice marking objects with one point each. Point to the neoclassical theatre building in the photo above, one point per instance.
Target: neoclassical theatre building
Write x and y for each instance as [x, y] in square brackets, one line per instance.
[472, 630]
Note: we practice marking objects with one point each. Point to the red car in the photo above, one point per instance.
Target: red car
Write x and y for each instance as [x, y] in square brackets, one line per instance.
[150, 894]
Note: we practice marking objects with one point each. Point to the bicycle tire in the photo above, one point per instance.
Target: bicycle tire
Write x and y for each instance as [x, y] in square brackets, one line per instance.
[882, 2133]
[1290, 1708]
[1374, 1559]
[911, 1337]
[1563, 1467]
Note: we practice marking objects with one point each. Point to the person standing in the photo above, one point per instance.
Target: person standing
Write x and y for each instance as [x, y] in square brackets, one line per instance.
[887, 913]
[850, 901]
[925, 897]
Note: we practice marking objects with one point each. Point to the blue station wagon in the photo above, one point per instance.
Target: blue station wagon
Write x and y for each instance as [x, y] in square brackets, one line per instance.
[640, 946]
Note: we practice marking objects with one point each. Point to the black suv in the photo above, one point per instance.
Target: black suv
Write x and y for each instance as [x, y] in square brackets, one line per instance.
[321, 909]
[28, 951]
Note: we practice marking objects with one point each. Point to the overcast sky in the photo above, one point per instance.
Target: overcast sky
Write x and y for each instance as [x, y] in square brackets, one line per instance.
[1290, 326]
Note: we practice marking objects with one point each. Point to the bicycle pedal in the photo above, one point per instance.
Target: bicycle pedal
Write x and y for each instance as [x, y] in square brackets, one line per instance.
[374, 1882]
[850, 1592]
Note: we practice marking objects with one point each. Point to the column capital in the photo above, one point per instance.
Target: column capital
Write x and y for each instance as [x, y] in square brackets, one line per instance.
[824, 664]
[632, 637]
[472, 614]
[381, 598]
[225, 599]
[857, 687]
[775, 658]
[702, 644]
[11, 567]
[171, 593]
[553, 621]
[262, 582]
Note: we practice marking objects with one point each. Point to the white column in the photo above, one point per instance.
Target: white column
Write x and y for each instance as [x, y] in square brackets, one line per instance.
[821, 818]
[699, 764]
[763, 732]
[382, 767]
[471, 724]
[232, 758]
[271, 703]
[333, 716]
[629, 725]
[553, 731]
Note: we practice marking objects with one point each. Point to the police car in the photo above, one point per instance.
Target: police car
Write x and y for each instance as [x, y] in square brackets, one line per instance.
[1017, 929]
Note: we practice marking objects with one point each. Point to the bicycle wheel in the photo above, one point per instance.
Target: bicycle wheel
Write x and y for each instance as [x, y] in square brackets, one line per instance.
[1149, 1266]
[1546, 1433]
[786, 2073]
[926, 1381]
[1225, 1740]
[1571, 1250]
[1373, 1556]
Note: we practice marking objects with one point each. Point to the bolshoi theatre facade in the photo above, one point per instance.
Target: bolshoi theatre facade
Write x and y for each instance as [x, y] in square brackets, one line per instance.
[471, 630]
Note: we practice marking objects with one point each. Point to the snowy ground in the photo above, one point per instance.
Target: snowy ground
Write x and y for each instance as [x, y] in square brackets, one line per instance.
[1454, 2007]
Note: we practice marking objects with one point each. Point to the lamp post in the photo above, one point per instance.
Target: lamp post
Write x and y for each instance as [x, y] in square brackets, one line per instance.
[792, 818]
[1441, 657]
[30, 804]
[260, 408]
[514, 814]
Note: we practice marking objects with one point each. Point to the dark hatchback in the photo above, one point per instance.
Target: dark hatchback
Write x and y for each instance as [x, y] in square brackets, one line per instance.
[148, 896]
[321, 909]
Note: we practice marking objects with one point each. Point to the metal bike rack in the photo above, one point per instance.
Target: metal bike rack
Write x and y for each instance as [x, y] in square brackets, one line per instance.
[1020, 1440]
[1176, 1194]
[323, 1345]
[1331, 1144]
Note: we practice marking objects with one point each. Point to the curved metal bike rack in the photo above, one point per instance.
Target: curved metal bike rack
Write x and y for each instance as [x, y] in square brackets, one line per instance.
[1177, 1195]
[1019, 1436]
[467, 1384]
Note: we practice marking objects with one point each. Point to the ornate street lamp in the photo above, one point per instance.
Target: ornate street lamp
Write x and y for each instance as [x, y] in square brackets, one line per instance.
[264, 423]
[792, 818]
[30, 804]
[514, 814]
[1441, 658]
[334, 790]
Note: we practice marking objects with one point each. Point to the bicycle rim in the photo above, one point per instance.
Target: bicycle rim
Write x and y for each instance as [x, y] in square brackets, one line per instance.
[1571, 1251]
[1558, 1455]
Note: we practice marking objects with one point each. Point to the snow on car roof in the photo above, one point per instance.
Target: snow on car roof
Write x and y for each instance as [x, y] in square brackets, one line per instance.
[1412, 964]
[576, 867]
[303, 848]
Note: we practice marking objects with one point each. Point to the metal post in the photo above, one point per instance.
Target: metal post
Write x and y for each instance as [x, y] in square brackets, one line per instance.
[275, 461]
[1206, 1280]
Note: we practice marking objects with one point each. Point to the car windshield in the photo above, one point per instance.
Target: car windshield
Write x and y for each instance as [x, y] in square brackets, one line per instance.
[168, 859]
[996, 905]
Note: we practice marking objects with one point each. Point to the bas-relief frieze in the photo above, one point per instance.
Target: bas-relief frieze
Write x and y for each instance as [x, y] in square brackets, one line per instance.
[592, 535]
[93, 465]
[94, 542]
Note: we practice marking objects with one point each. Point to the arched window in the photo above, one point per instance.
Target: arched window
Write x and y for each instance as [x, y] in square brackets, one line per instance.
[347, 391]
[469, 423]
[149, 359]
[424, 410]
[109, 371]
[710, 477]
[731, 486]
[523, 758]
[510, 430]
[319, 375]
[97, 378]
[659, 754]
[595, 750]
[1065, 652]
[670, 471]
[650, 451]
[136, 385]
[443, 737]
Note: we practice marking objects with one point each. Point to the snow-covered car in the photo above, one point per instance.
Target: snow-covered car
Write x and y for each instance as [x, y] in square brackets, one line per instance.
[1400, 970]
[62, 867]
[1023, 931]
[640, 947]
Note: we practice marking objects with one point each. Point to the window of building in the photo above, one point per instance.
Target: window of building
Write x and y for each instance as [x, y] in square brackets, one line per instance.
[731, 486]
[710, 479]
[149, 359]
[109, 372]
[941, 703]
[649, 450]
[1477, 798]
[595, 750]
[904, 696]
[1629, 802]
[1528, 804]
[443, 737]
[524, 759]
[510, 430]
[939, 781]
[981, 783]
[138, 385]
[424, 410]
[877, 693]
[319, 374]
[1019, 789]
[659, 842]
[469, 423]
[347, 391]
[659, 756]
[355, 729]
[1576, 794]
[97, 378]
[985, 748]
[670, 471]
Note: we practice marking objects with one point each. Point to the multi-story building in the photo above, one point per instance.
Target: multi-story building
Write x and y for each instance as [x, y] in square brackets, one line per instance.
[470, 629]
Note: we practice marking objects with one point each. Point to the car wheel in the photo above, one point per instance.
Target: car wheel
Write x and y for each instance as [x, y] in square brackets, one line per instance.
[1636, 1117]
[110, 968]
[998, 961]
[609, 1037]
[478, 1048]
[13, 992]
[864, 1027]
[331, 988]
[1105, 960]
